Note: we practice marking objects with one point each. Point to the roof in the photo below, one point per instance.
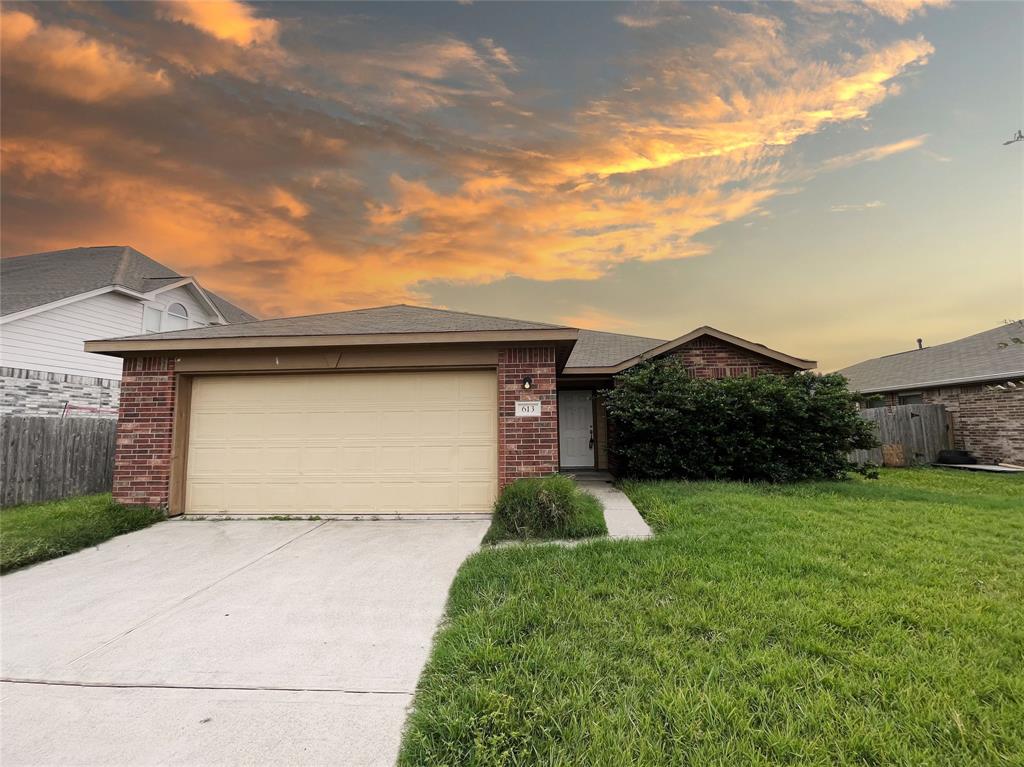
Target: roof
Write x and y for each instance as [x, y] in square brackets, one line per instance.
[42, 278]
[657, 348]
[986, 356]
[384, 325]
[597, 349]
[397, 319]
[589, 352]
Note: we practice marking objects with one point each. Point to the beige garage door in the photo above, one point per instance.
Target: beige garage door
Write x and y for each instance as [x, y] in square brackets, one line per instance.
[343, 443]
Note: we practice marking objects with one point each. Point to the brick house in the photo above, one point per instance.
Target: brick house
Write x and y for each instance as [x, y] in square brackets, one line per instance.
[980, 380]
[395, 410]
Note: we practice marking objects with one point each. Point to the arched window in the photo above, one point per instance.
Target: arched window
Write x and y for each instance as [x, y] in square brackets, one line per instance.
[177, 317]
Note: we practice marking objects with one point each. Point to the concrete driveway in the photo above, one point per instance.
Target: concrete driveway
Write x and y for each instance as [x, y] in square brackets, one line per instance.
[234, 642]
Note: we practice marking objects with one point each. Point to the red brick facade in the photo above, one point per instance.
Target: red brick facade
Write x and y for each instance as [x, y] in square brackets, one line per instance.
[988, 423]
[142, 464]
[708, 357]
[527, 446]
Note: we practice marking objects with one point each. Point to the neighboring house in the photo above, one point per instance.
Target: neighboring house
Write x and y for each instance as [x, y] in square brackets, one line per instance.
[50, 303]
[980, 380]
[387, 411]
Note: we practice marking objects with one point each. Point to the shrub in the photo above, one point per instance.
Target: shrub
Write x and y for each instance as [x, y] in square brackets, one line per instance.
[546, 507]
[666, 424]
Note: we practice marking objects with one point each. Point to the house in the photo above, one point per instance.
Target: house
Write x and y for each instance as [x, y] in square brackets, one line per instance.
[387, 411]
[980, 380]
[50, 303]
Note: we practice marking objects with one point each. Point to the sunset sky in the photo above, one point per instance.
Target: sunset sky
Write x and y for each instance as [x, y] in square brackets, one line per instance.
[829, 180]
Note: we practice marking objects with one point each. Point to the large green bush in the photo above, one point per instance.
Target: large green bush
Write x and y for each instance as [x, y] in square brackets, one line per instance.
[667, 424]
[546, 507]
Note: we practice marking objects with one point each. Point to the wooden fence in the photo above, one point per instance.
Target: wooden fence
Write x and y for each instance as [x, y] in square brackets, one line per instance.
[911, 435]
[45, 458]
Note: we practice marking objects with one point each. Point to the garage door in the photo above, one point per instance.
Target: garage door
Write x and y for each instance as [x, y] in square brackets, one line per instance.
[343, 443]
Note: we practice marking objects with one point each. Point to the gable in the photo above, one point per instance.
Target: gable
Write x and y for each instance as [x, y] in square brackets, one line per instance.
[40, 281]
[709, 357]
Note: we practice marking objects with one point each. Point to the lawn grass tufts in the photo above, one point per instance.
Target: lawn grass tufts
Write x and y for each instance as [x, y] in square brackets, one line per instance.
[827, 623]
[546, 508]
[35, 532]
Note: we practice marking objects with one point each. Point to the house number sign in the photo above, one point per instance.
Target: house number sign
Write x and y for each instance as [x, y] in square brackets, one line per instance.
[527, 409]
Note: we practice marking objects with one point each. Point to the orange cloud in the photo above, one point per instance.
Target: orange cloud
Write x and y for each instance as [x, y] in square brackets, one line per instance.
[288, 210]
[281, 198]
[899, 11]
[902, 10]
[874, 153]
[69, 63]
[226, 20]
[596, 319]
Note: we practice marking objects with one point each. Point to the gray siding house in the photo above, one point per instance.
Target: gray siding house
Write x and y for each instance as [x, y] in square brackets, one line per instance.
[52, 303]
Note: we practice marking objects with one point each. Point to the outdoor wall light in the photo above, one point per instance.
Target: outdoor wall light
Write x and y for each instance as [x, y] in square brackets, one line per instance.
[527, 382]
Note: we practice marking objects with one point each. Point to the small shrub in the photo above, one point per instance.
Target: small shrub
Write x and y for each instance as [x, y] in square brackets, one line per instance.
[546, 507]
[666, 424]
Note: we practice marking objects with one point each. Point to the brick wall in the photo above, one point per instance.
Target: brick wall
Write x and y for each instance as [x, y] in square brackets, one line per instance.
[39, 392]
[527, 446]
[987, 423]
[707, 357]
[142, 461]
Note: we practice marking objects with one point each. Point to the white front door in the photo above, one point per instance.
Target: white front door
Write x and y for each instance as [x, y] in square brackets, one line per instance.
[576, 429]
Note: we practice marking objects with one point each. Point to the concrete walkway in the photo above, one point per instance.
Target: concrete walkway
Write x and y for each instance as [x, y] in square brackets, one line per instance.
[621, 516]
[220, 643]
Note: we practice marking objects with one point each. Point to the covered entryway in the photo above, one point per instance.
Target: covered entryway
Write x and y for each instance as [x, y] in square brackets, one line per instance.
[343, 443]
[576, 429]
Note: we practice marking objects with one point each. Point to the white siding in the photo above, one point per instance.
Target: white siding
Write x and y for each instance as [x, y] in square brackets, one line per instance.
[52, 340]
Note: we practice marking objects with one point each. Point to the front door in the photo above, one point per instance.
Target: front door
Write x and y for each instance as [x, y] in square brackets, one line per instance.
[576, 429]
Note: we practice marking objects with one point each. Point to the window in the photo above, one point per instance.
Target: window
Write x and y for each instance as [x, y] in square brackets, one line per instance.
[151, 319]
[177, 317]
[911, 398]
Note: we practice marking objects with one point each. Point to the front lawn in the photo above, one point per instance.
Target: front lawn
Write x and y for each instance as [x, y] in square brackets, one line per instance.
[38, 531]
[838, 623]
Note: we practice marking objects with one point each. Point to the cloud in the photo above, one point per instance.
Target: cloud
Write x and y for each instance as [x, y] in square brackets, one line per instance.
[899, 11]
[846, 208]
[638, 22]
[350, 169]
[902, 10]
[281, 198]
[499, 54]
[70, 64]
[592, 318]
[874, 153]
[227, 20]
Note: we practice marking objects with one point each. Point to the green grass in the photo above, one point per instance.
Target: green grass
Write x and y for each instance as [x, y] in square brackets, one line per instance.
[39, 531]
[545, 508]
[843, 623]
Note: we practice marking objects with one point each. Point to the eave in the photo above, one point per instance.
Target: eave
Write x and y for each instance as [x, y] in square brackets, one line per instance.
[154, 344]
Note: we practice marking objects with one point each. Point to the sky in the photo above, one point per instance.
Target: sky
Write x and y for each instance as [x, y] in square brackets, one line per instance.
[828, 179]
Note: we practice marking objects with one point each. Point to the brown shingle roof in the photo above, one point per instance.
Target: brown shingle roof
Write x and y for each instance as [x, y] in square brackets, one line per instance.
[41, 278]
[399, 318]
[986, 356]
[597, 349]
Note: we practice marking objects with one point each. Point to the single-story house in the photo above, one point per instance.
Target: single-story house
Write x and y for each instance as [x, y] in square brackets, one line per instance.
[391, 410]
[50, 303]
[980, 380]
